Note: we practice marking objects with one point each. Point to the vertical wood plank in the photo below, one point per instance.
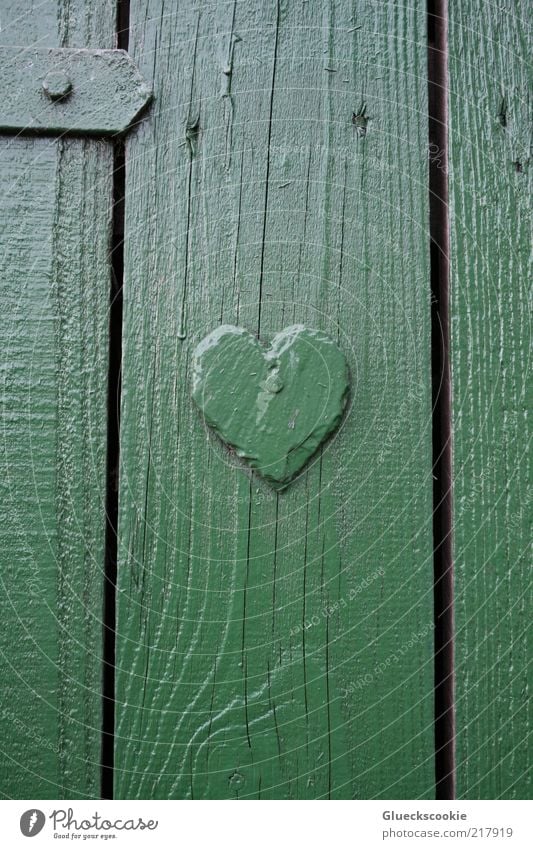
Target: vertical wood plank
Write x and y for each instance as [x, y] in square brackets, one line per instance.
[277, 645]
[490, 182]
[55, 198]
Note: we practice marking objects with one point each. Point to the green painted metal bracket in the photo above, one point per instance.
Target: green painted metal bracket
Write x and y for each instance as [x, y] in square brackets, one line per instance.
[55, 91]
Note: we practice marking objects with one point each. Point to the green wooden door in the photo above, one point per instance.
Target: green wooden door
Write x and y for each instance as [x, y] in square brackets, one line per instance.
[271, 641]
[490, 182]
[55, 209]
[277, 644]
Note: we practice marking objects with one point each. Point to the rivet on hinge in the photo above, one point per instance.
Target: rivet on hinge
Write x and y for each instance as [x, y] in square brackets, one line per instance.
[57, 85]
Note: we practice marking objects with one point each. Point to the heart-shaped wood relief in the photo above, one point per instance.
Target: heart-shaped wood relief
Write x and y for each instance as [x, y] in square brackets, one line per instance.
[274, 406]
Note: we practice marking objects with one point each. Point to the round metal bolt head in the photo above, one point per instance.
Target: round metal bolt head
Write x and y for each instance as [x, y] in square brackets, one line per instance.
[57, 85]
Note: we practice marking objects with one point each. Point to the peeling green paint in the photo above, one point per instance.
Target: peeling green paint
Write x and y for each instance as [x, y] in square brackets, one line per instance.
[276, 406]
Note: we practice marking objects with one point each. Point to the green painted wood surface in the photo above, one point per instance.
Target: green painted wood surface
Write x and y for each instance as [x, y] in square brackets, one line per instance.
[55, 199]
[277, 645]
[490, 183]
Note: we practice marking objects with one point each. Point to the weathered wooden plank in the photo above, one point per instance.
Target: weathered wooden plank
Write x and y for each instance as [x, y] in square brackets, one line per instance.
[277, 644]
[54, 291]
[490, 182]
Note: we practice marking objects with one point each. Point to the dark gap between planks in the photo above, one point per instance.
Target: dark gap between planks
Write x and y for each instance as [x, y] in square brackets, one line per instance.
[113, 439]
[437, 17]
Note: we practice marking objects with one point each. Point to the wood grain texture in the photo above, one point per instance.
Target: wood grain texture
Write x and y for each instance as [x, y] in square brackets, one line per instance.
[55, 211]
[277, 645]
[490, 182]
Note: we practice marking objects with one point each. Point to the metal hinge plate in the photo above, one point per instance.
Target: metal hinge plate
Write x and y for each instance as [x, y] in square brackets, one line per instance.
[62, 90]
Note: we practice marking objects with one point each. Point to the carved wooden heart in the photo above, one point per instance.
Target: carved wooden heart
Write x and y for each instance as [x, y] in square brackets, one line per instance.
[273, 406]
